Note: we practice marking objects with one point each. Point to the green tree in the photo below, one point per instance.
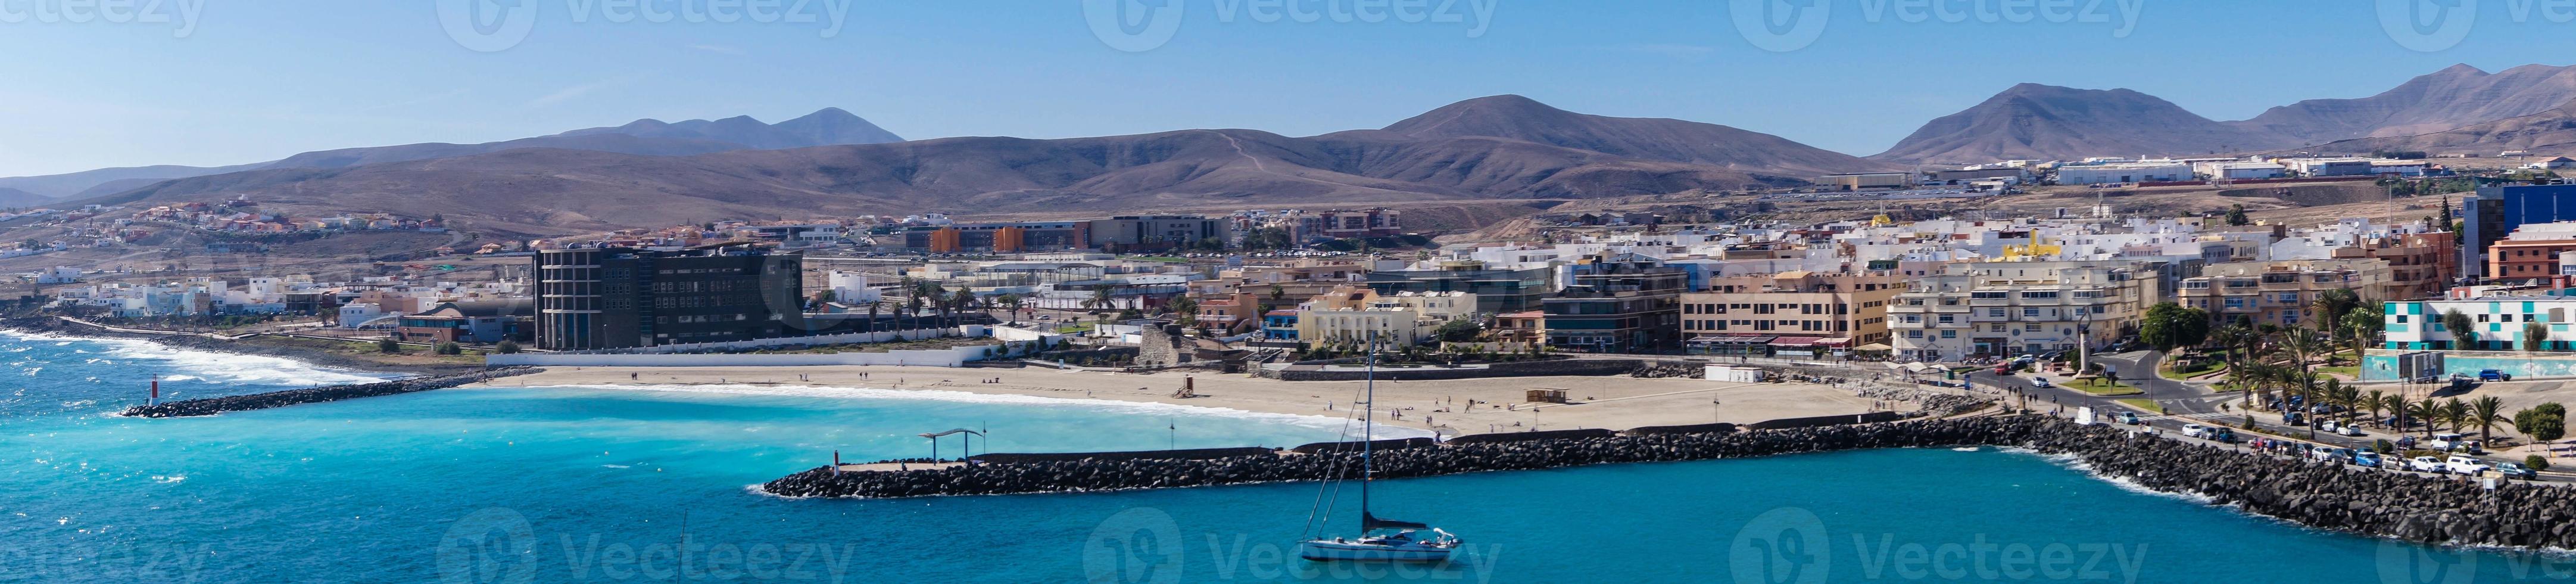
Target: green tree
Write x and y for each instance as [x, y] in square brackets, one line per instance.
[506, 347]
[2328, 309]
[2535, 336]
[2542, 423]
[2236, 215]
[2464, 332]
[448, 348]
[1460, 330]
[2168, 325]
[388, 346]
[2456, 413]
[1185, 311]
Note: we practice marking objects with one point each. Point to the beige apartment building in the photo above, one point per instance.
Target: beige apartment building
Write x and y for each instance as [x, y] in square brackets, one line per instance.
[1354, 314]
[2279, 292]
[2013, 308]
[1748, 314]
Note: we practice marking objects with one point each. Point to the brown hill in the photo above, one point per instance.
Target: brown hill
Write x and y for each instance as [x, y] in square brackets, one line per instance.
[2548, 132]
[2451, 98]
[2045, 122]
[554, 191]
[1669, 140]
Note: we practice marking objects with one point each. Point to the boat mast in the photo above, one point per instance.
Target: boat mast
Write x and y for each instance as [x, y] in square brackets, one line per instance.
[1368, 434]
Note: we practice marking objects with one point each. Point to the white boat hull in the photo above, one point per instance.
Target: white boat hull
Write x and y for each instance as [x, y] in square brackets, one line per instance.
[1339, 551]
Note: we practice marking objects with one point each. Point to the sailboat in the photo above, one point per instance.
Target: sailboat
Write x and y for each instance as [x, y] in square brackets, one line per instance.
[1380, 540]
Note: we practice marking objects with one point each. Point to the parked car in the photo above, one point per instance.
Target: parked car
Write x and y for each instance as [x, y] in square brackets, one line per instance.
[2464, 465]
[2365, 457]
[2343, 455]
[2348, 430]
[2130, 418]
[2517, 470]
[2195, 430]
[2425, 464]
[2041, 382]
[2448, 441]
[2493, 375]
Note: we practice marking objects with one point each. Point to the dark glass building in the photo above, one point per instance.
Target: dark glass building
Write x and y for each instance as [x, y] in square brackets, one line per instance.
[1618, 306]
[614, 298]
[1497, 291]
[2496, 211]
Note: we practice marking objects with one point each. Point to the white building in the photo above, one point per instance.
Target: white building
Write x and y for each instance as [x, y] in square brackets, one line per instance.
[2123, 173]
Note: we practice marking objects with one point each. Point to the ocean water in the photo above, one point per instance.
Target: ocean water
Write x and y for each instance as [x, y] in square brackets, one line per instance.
[597, 484]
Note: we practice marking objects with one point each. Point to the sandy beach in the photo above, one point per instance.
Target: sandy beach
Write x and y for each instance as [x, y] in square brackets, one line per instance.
[1457, 407]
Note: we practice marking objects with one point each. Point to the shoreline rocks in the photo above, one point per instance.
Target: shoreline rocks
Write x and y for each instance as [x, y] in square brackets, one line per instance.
[276, 399]
[2322, 495]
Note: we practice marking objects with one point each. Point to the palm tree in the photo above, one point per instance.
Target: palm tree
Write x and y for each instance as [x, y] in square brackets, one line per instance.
[2486, 412]
[2361, 327]
[874, 306]
[2375, 401]
[2431, 412]
[2457, 413]
[1100, 299]
[2405, 412]
[964, 300]
[2346, 397]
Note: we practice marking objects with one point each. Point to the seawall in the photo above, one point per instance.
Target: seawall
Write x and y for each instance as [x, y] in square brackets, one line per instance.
[2318, 494]
[275, 399]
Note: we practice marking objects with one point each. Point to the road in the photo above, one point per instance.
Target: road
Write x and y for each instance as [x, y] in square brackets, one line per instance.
[2185, 403]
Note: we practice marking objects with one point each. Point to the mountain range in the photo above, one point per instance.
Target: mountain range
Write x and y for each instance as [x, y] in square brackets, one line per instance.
[2041, 122]
[555, 190]
[650, 172]
[645, 137]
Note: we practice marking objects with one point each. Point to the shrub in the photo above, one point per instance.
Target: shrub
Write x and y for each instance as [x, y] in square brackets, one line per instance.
[507, 347]
[2536, 462]
[388, 346]
[2383, 446]
[449, 348]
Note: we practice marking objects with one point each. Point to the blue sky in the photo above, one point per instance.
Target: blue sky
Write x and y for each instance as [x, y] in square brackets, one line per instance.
[235, 81]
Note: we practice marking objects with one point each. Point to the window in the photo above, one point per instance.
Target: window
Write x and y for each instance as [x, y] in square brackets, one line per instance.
[2029, 312]
[1949, 334]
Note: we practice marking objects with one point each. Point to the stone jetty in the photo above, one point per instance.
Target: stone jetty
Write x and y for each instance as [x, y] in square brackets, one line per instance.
[2324, 495]
[260, 401]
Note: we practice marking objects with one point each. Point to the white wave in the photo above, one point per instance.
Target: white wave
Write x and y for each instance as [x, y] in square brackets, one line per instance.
[615, 466]
[1967, 449]
[1113, 406]
[169, 479]
[2078, 464]
[214, 366]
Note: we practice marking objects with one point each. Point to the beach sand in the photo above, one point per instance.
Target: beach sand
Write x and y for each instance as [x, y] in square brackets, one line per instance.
[1598, 402]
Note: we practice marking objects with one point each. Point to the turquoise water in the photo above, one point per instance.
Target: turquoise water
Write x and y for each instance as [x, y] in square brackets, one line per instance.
[570, 484]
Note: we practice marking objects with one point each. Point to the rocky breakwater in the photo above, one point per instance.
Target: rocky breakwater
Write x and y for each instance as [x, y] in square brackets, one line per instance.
[260, 401]
[1092, 474]
[2319, 494]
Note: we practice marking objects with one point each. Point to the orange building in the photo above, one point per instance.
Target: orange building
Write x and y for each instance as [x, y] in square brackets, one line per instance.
[1010, 239]
[2531, 251]
[947, 240]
